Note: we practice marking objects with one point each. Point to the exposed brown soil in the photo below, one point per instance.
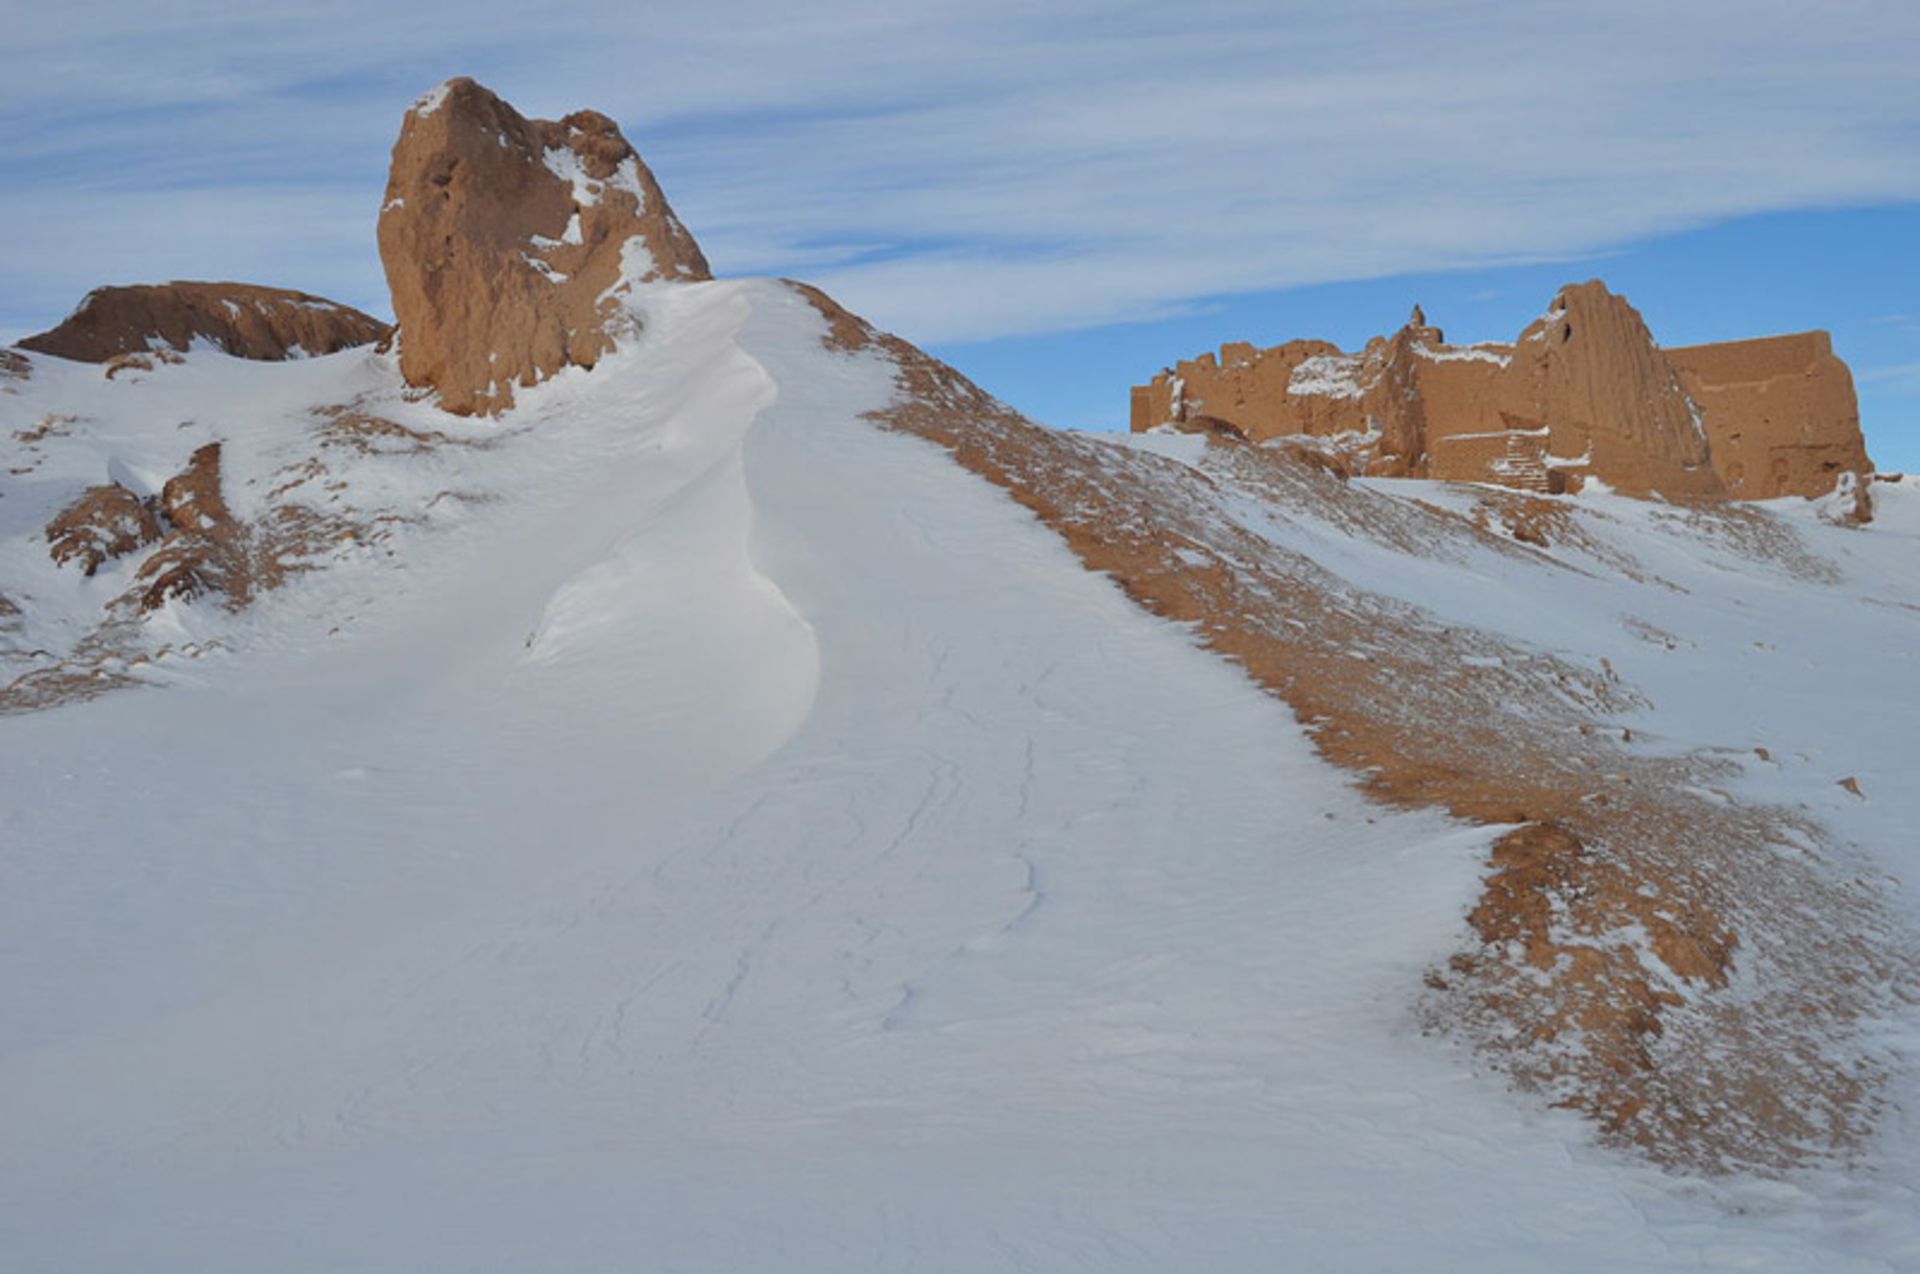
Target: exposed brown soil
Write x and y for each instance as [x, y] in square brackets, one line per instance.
[1689, 972]
[245, 320]
[367, 434]
[108, 659]
[1547, 523]
[14, 366]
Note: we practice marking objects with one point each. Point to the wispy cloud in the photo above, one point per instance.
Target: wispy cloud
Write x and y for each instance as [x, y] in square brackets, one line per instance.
[1899, 375]
[968, 170]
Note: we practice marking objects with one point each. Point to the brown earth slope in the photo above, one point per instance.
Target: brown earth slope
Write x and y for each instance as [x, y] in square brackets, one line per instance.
[1691, 973]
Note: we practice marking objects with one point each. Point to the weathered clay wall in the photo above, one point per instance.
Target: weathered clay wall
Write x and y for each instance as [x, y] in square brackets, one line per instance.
[1247, 387]
[1589, 370]
[1459, 391]
[1780, 413]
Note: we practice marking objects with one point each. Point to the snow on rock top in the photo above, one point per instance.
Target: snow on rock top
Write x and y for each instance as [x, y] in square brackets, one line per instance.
[432, 99]
[508, 244]
[241, 319]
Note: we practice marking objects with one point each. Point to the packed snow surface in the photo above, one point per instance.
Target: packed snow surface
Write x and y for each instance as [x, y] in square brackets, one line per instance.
[740, 839]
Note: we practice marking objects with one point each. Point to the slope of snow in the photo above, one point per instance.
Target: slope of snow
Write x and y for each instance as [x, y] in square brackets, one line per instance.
[744, 840]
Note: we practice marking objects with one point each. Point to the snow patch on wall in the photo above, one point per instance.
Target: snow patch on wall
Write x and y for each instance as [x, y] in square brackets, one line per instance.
[1327, 376]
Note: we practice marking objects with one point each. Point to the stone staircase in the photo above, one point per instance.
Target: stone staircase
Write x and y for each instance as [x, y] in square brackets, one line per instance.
[1524, 466]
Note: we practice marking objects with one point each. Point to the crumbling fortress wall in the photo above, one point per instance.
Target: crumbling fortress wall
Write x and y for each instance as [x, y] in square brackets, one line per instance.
[1780, 413]
[1582, 394]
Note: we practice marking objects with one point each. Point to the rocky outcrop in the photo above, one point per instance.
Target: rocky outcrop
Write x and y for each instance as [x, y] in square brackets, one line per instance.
[243, 320]
[207, 549]
[105, 522]
[507, 243]
[191, 499]
[1583, 393]
[14, 366]
[202, 547]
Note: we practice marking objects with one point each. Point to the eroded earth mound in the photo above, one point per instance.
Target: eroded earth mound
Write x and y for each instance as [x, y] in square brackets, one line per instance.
[241, 319]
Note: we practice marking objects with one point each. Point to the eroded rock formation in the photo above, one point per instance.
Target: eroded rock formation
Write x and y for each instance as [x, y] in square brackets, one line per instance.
[507, 242]
[191, 499]
[244, 320]
[105, 522]
[201, 548]
[1583, 393]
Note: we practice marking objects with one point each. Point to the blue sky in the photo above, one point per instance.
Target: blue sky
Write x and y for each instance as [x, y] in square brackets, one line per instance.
[1850, 271]
[1058, 198]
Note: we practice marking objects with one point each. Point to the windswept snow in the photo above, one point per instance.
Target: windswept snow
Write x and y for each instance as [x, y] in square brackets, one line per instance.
[1483, 352]
[740, 839]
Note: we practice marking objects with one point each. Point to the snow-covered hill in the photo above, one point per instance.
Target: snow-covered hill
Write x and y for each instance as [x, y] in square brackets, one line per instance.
[694, 824]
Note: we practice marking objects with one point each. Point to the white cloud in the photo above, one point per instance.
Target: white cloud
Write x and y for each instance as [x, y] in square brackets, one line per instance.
[959, 170]
[59, 246]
